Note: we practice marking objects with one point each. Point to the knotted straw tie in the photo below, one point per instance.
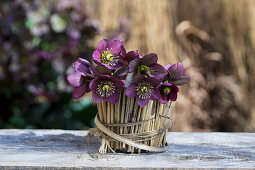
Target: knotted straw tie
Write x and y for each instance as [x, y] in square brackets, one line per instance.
[128, 141]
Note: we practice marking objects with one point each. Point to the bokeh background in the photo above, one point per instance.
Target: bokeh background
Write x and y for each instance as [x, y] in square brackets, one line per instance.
[214, 39]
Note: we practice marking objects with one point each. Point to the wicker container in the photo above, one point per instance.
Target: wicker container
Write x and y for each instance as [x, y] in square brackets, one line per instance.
[127, 127]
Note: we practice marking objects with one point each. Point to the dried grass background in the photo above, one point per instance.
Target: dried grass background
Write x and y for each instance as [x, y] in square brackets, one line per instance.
[214, 39]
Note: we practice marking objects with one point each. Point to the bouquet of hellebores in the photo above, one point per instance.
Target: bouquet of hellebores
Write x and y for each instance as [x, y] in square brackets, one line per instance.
[134, 95]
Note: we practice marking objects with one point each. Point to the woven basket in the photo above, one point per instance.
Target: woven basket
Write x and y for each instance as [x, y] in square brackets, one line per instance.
[127, 127]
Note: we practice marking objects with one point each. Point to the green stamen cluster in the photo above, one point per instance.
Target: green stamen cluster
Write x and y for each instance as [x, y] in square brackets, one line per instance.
[144, 90]
[166, 90]
[105, 88]
[143, 68]
[108, 58]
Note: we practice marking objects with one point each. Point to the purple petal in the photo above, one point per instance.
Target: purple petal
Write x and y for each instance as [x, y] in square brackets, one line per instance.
[93, 84]
[167, 84]
[86, 63]
[80, 67]
[106, 77]
[120, 71]
[75, 79]
[157, 70]
[96, 97]
[117, 83]
[182, 81]
[97, 56]
[131, 55]
[173, 95]
[118, 65]
[138, 78]
[134, 64]
[149, 59]
[78, 92]
[122, 60]
[175, 88]
[142, 102]
[115, 46]
[102, 45]
[167, 66]
[164, 99]
[155, 95]
[130, 91]
[123, 51]
[154, 81]
[101, 70]
[114, 98]
[176, 71]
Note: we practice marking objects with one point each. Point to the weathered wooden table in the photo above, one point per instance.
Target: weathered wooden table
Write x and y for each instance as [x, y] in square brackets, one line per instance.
[61, 149]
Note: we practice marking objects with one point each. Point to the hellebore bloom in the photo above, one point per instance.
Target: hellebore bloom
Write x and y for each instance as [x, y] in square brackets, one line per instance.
[146, 66]
[107, 88]
[176, 74]
[144, 89]
[168, 92]
[81, 78]
[110, 54]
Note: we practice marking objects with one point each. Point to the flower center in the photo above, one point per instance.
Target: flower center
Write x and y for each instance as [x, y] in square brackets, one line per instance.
[105, 88]
[108, 58]
[143, 69]
[144, 90]
[166, 90]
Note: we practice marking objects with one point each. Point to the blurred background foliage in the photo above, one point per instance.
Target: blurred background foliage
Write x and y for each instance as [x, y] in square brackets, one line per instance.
[39, 42]
[214, 39]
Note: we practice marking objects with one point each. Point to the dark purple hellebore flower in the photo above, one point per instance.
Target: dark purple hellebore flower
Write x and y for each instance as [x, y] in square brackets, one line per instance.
[146, 66]
[168, 92]
[110, 54]
[106, 88]
[176, 74]
[80, 78]
[144, 89]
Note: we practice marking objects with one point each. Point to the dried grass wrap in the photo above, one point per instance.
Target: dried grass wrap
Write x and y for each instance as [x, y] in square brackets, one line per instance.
[127, 127]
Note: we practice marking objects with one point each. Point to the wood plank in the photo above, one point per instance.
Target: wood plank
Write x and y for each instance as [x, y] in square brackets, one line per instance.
[28, 149]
